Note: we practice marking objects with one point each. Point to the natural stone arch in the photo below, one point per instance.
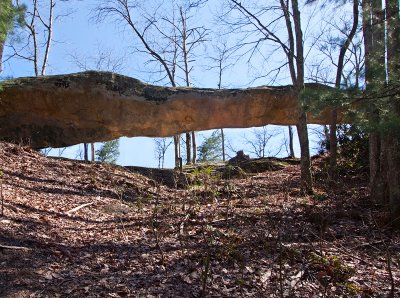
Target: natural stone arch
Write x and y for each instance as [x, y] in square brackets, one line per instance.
[63, 110]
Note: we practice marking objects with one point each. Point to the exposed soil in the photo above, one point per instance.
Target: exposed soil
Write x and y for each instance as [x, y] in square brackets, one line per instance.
[74, 229]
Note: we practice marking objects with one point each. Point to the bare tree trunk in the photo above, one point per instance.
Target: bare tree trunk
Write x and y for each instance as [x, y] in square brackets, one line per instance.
[305, 160]
[393, 175]
[85, 152]
[32, 30]
[177, 151]
[220, 70]
[373, 29]
[373, 136]
[333, 142]
[194, 145]
[188, 148]
[326, 134]
[306, 177]
[162, 161]
[223, 144]
[122, 10]
[339, 73]
[49, 27]
[393, 71]
[296, 68]
[32, 25]
[185, 52]
[291, 149]
[375, 158]
[93, 152]
[1, 55]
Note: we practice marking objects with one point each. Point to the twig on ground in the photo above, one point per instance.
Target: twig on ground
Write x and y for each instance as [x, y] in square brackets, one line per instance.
[342, 250]
[371, 244]
[15, 247]
[1, 194]
[389, 268]
[79, 207]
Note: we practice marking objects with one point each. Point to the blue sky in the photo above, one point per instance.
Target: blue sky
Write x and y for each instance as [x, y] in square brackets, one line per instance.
[78, 35]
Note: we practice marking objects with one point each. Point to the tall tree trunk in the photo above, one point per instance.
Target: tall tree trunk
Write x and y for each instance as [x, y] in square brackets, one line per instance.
[177, 151]
[49, 27]
[85, 152]
[291, 147]
[326, 135]
[32, 28]
[220, 68]
[333, 142]
[302, 131]
[188, 148]
[294, 52]
[185, 52]
[393, 71]
[93, 151]
[223, 144]
[305, 160]
[194, 157]
[373, 29]
[1, 55]
[339, 73]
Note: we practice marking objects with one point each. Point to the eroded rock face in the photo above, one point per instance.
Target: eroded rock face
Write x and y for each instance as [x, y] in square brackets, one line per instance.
[63, 110]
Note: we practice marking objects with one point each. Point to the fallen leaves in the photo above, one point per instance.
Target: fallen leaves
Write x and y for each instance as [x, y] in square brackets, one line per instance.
[101, 231]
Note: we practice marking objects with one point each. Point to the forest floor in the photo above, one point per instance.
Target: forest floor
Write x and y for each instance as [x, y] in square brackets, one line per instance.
[75, 229]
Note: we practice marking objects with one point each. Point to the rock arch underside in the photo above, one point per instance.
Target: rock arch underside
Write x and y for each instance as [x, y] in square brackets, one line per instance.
[63, 110]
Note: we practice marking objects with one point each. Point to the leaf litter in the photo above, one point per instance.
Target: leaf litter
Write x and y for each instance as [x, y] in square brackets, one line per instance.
[76, 229]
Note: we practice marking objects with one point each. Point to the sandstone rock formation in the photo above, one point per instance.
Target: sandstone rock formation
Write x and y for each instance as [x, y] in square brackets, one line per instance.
[63, 110]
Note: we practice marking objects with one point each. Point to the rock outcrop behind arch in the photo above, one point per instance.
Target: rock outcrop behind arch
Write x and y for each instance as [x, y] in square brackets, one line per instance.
[63, 110]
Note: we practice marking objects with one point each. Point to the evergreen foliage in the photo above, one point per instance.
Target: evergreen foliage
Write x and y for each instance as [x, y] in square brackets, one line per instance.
[315, 98]
[210, 149]
[108, 152]
[353, 145]
[9, 17]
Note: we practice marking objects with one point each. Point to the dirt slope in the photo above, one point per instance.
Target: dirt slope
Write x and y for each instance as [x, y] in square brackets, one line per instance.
[252, 237]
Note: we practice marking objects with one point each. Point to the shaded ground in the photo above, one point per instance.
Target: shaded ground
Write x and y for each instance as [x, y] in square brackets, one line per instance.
[250, 237]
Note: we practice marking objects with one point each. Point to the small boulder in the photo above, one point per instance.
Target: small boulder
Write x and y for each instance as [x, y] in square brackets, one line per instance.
[239, 158]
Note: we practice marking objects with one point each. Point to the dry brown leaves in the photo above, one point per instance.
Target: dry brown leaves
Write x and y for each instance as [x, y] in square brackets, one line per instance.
[93, 230]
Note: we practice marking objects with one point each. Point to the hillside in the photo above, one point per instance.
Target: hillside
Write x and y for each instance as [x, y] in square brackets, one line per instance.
[75, 229]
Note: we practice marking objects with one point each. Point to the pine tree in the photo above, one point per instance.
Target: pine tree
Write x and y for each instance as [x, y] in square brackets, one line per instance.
[210, 149]
[108, 152]
[9, 17]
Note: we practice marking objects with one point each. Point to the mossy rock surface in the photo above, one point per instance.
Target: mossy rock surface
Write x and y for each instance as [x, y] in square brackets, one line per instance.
[197, 174]
[230, 172]
[263, 165]
[167, 177]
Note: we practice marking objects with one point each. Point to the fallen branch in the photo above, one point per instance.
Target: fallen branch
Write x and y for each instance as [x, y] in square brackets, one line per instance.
[1, 194]
[14, 247]
[372, 244]
[245, 206]
[219, 220]
[79, 207]
[342, 250]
